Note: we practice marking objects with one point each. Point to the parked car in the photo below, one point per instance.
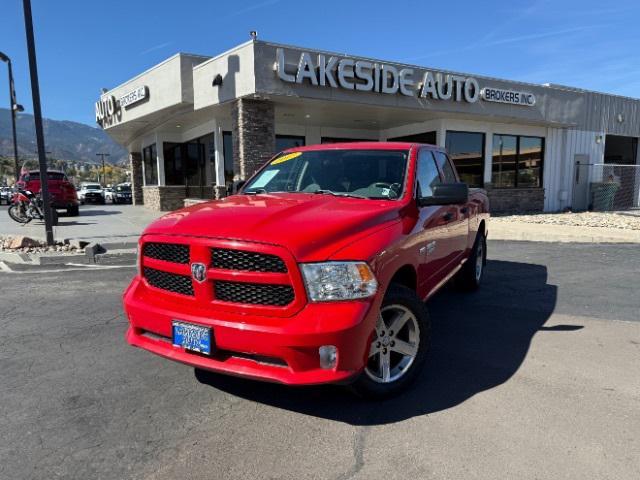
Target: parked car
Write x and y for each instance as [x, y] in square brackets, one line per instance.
[61, 191]
[316, 272]
[122, 193]
[5, 195]
[91, 193]
[108, 194]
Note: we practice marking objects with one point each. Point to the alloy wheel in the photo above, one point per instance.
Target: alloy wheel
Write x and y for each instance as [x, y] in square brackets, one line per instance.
[395, 345]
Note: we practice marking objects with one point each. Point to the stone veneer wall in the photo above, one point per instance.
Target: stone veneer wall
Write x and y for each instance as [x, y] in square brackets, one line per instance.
[135, 160]
[168, 197]
[516, 199]
[254, 137]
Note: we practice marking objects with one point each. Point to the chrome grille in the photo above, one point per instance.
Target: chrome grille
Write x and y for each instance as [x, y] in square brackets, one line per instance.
[171, 282]
[228, 259]
[254, 293]
[169, 252]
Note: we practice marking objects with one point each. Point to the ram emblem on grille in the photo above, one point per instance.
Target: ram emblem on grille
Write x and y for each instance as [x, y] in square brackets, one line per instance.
[199, 272]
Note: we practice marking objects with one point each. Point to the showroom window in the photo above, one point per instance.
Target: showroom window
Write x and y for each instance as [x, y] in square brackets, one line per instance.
[344, 140]
[466, 149]
[283, 142]
[150, 160]
[517, 161]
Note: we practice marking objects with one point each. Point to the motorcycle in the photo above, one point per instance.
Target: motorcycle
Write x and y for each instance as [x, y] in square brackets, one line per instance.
[26, 206]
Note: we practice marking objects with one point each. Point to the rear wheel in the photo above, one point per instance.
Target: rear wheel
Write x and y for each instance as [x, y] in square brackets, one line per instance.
[399, 345]
[469, 277]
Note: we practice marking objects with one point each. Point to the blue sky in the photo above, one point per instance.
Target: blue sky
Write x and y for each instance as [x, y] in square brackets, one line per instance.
[85, 45]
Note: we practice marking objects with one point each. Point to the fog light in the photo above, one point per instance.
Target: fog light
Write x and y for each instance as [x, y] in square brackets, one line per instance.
[328, 356]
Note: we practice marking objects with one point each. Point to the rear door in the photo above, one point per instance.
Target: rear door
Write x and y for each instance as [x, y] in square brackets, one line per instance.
[433, 246]
[456, 216]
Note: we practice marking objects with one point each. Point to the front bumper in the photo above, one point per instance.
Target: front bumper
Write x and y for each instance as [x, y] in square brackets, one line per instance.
[283, 350]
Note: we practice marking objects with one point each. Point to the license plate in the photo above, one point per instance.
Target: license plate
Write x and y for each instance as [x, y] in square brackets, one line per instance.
[192, 337]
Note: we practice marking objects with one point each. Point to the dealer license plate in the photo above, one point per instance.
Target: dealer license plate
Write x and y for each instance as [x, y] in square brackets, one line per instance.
[192, 337]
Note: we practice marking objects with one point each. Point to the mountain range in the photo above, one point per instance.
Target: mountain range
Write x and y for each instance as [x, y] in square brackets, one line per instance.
[65, 140]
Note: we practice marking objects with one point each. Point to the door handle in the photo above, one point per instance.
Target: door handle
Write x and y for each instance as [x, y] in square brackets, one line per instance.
[447, 217]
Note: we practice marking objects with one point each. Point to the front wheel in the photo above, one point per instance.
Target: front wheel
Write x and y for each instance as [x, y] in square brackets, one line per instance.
[18, 213]
[399, 345]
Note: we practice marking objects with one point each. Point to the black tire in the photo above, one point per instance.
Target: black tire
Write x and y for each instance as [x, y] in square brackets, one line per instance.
[365, 386]
[468, 279]
[54, 217]
[14, 213]
[73, 211]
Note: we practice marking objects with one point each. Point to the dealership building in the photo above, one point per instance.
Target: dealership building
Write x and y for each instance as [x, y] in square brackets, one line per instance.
[193, 125]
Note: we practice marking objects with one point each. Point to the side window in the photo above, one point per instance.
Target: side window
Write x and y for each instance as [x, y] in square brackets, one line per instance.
[428, 176]
[445, 166]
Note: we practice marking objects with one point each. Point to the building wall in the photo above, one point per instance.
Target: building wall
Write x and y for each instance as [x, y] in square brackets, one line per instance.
[238, 77]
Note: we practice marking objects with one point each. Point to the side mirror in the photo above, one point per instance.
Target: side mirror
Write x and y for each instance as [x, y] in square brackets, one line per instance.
[446, 194]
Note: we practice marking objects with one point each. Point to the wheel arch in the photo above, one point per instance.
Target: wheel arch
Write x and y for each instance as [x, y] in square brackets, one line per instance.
[406, 276]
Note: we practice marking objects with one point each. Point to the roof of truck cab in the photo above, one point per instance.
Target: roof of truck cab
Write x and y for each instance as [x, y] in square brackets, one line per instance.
[361, 146]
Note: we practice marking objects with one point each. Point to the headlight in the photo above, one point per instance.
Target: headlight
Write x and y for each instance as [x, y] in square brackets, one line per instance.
[338, 281]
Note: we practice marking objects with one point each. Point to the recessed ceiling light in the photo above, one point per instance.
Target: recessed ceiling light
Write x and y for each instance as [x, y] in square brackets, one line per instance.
[178, 125]
[307, 116]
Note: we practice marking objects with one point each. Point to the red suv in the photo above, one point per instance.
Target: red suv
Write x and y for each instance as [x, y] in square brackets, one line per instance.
[61, 190]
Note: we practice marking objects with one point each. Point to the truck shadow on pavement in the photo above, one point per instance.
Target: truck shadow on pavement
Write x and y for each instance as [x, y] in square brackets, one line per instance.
[478, 342]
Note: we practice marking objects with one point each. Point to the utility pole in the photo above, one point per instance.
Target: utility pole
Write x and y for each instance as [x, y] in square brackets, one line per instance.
[15, 108]
[37, 116]
[104, 175]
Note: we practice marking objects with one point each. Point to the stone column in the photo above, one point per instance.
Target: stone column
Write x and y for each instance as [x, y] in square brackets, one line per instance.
[254, 138]
[135, 160]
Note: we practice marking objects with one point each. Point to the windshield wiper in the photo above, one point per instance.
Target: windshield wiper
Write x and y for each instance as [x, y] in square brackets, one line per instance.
[256, 191]
[337, 194]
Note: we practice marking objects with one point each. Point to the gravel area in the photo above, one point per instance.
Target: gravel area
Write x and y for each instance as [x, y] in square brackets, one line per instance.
[582, 219]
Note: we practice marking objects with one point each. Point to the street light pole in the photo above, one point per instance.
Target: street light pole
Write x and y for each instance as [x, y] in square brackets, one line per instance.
[15, 107]
[104, 175]
[37, 116]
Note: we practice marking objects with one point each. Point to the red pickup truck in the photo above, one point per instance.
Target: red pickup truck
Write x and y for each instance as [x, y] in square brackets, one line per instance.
[316, 272]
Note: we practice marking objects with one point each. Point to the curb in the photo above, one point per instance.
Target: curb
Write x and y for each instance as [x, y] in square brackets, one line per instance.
[94, 254]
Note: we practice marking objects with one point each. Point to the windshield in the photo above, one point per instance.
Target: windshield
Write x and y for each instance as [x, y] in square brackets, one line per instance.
[123, 188]
[50, 175]
[92, 187]
[375, 174]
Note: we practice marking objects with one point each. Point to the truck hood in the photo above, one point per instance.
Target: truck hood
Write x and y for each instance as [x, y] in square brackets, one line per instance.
[311, 226]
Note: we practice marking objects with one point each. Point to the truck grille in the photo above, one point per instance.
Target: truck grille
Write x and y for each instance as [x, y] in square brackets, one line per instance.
[242, 276]
[254, 293]
[171, 282]
[169, 252]
[228, 259]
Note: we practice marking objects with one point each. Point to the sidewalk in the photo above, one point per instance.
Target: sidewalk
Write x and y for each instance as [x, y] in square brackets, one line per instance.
[115, 225]
[557, 228]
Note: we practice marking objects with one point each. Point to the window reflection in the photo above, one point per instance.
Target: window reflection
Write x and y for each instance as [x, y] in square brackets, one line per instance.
[466, 150]
[517, 161]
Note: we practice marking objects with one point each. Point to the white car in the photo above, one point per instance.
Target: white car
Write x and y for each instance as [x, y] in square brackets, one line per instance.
[108, 194]
[91, 193]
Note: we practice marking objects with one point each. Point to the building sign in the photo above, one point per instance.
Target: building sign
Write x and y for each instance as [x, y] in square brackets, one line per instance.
[512, 97]
[107, 111]
[133, 97]
[361, 75]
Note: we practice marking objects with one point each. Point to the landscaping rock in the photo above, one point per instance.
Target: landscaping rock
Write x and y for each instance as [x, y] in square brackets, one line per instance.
[23, 242]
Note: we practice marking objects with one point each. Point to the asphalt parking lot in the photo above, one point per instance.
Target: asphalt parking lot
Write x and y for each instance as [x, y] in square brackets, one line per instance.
[96, 223]
[535, 376]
